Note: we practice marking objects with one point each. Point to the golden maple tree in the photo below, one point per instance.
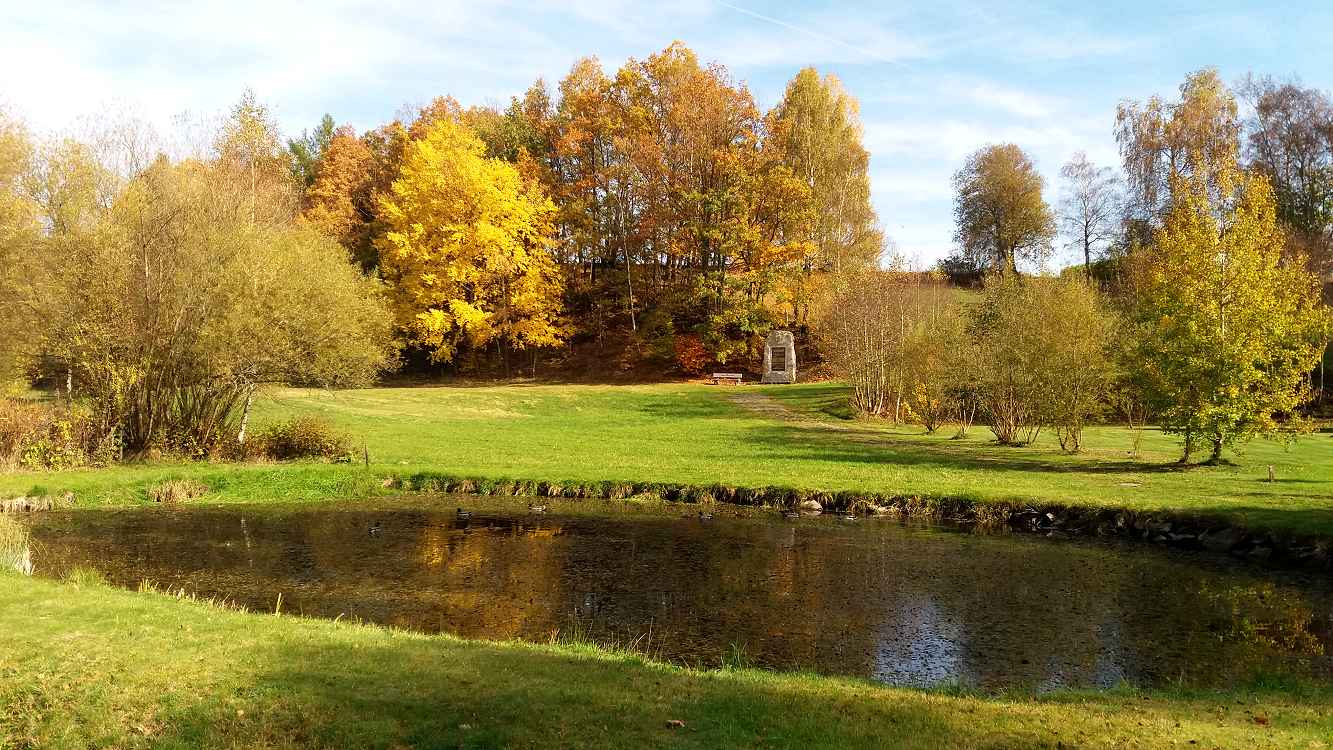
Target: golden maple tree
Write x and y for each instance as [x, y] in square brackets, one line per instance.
[467, 248]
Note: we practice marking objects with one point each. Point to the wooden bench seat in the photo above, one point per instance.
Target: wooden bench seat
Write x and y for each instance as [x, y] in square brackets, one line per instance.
[728, 377]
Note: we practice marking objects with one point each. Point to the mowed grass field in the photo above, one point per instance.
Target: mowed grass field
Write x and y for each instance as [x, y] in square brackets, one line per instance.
[90, 666]
[799, 436]
[85, 665]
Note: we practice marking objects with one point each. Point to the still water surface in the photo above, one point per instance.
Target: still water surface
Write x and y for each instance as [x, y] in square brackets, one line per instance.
[914, 605]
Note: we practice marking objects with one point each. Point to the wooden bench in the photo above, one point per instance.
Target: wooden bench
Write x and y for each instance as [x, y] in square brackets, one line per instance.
[730, 377]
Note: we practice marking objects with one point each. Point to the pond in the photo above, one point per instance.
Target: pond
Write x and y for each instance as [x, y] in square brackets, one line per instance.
[902, 604]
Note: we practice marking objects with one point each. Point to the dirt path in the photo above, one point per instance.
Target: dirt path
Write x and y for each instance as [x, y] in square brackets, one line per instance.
[762, 404]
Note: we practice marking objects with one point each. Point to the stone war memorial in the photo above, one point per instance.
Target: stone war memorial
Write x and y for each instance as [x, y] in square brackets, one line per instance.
[780, 358]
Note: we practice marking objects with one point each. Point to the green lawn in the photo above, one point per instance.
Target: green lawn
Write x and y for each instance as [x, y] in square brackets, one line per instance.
[90, 666]
[782, 435]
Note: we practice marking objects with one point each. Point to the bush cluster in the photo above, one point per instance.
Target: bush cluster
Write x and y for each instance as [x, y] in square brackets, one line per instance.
[1023, 355]
[49, 435]
[302, 437]
[52, 435]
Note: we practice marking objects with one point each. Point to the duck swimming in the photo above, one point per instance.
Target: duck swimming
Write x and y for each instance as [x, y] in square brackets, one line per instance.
[464, 515]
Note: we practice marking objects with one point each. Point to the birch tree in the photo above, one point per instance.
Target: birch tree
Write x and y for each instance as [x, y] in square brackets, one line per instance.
[1090, 208]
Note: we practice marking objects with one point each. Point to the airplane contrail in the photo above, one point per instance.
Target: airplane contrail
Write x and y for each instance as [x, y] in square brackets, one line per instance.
[810, 33]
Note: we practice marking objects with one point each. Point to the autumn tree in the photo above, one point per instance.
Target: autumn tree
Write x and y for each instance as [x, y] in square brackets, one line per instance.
[1231, 328]
[307, 152]
[1290, 141]
[468, 248]
[818, 128]
[691, 132]
[1090, 208]
[670, 199]
[19, 236]
[1000, 212]
[1197, 136]
[591, 184]
[341, 201]
[249, 147]
[520, 129]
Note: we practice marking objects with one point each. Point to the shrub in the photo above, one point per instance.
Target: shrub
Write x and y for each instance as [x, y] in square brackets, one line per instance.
[21, 424]
[82, 576]
[1043, 347]
[894, 335]
[304, 437]
[15, 551]
[38, 435]
[176, 491]
[691, 355]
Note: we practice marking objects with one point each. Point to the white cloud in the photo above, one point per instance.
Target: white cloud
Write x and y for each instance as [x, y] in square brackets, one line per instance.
[936, 81]
[1015, 102]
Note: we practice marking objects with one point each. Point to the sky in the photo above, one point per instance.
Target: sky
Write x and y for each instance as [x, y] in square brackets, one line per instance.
[936, 80]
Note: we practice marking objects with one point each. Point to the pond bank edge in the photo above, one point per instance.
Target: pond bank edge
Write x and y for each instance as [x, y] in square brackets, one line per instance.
[1183, 530]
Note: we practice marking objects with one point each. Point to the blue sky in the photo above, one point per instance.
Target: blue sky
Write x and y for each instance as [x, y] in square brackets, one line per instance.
[936, 80]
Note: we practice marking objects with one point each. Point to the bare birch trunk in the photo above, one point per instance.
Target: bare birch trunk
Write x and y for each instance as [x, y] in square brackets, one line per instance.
[245, 415]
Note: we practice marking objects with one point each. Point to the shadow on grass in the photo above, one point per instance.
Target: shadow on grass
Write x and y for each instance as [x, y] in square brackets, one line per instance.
[432, 694]
[707, 406]
[815, 399]
[853, 444]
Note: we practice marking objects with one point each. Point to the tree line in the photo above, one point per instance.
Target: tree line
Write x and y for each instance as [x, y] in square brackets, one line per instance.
[655, 216]
[650, 214]
[165, 289]
[1198, 300]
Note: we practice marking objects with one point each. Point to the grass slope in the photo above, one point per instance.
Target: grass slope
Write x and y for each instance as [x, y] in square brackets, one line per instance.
[797, 436]
[90, 666]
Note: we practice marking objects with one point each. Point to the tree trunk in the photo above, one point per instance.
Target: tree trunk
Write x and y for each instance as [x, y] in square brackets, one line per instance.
[629, 283]
[1323, 394]
[1087, 253]
[1189, 447]
[245, 415]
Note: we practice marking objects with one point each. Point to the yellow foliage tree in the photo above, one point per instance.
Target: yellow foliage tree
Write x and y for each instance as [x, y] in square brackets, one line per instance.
[468, 248]
[19, 232]
[1232, 328]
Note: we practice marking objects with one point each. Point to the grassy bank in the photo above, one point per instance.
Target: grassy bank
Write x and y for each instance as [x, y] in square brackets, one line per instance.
[796, 436]
[90, 666]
